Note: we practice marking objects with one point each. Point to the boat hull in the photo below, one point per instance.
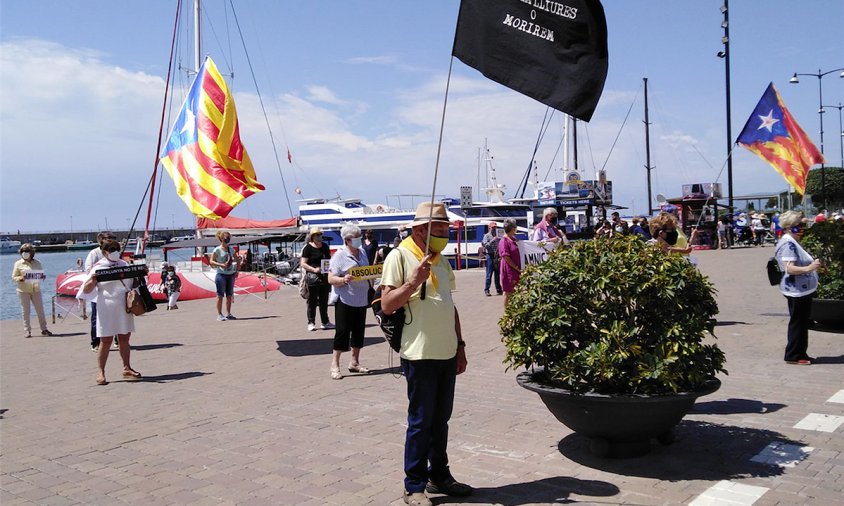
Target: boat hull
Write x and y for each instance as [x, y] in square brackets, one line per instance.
[195, 285]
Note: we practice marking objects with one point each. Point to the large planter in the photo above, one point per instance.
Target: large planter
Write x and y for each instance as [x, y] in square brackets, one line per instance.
[828, 312]
[618, 425]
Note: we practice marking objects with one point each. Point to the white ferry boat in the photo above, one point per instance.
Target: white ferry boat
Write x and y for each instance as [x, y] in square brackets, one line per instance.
[469, 223]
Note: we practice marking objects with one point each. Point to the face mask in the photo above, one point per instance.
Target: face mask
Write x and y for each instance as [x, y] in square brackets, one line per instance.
[227, 240]
[26, 255]
[113, 256]
[356, 242]
[437, 243]
[404, 234]
[671, 237]
[796, 230]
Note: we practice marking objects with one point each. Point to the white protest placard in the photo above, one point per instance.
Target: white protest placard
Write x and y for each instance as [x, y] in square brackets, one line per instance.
[34, 276]
[534, 252]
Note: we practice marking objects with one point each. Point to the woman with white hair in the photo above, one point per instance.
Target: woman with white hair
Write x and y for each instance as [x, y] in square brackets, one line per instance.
[546, 230]
[798, 285]
[352, 300]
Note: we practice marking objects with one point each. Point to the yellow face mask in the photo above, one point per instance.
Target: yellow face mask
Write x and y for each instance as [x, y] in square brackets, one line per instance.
[437, 243]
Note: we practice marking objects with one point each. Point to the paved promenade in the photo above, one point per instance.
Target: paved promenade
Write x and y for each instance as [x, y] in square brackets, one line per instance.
[244, 412]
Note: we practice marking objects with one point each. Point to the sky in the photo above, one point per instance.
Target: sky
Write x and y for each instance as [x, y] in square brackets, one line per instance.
[355, 90]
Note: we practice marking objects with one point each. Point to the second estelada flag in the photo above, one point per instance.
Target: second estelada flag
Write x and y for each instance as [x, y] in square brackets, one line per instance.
[204, 155]
[553, 52]
[773, 134]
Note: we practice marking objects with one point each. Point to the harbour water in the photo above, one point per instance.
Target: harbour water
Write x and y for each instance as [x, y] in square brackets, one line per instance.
[53, 263]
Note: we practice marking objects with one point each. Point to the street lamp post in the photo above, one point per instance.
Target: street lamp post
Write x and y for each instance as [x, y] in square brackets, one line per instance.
[725, 54]
[819, 75]
[840, 132]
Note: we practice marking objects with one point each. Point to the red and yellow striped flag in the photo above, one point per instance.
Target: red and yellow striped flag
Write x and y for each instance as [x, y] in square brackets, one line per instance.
[204, 155]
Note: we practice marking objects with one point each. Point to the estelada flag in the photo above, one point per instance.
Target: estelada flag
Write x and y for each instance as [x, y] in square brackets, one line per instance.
[553, 52]
[204, 155]
[774, 135]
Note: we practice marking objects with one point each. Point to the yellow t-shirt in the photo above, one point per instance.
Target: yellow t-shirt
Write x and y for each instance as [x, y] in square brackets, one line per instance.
[682, 241]
[429, 332]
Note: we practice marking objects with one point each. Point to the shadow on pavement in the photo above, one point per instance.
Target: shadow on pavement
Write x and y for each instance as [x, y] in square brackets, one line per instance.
[735, 406]
[830, 360]
[826, 328]
[68, 334]
[324, 346]
[726, 323]
[164, 378]
[145, 347]
[701, 451]
[554, 490]
[245, 318]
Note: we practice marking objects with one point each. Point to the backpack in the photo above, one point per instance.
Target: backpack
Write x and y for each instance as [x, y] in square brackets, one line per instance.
[774, 272]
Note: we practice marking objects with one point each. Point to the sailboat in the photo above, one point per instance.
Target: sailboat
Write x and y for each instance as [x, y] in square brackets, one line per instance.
[198, 278]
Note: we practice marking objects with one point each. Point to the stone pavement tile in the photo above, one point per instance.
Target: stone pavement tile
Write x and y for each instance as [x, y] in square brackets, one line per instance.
[57, 500]
[256, 403]
[14, 500]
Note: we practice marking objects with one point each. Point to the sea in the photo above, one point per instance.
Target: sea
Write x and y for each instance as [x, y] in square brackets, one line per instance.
[54, 263]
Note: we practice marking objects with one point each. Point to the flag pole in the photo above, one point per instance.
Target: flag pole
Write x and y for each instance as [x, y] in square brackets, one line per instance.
[439, 150]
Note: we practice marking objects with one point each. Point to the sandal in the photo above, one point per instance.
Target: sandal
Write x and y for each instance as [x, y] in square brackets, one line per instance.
[131, 374]
[335, 373]
[358, 368]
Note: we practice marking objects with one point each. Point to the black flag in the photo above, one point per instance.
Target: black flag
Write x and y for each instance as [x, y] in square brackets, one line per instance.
[554, 52]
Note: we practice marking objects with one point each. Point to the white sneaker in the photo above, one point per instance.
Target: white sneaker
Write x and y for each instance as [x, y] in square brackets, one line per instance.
[221, 318]
[311, 327]
[115, 344]
[326, 326]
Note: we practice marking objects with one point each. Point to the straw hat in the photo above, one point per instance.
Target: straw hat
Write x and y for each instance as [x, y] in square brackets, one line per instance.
[426, 212]
[313, 231]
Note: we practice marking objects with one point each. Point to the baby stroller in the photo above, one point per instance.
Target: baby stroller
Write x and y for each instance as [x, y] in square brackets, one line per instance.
[743, 236]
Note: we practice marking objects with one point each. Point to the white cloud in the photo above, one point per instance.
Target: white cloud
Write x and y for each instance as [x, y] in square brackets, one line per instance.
[79, 131]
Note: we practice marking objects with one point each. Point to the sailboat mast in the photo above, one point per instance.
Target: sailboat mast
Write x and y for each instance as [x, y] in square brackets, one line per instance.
[648, 167]
[574, 144]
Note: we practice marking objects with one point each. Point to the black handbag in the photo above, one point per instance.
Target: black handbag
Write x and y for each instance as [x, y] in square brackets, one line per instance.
[313, 279]
[149, 303]
[392, 325]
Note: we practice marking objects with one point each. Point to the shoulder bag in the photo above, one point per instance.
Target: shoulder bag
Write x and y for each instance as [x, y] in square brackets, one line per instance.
[303, 288]
[392, 325]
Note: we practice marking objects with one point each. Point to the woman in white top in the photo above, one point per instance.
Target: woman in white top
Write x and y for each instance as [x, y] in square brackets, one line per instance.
[112, 318]
[798, 285]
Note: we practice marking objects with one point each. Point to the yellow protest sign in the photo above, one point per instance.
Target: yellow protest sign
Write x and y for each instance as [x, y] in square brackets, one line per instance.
[366, 272]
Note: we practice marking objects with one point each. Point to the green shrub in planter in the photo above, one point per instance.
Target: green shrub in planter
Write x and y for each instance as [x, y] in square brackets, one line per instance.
[826, 241]
[614, 316]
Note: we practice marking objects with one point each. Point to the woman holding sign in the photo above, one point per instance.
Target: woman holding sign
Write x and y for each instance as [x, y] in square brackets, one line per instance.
[28, 273]
[352, 293]
[113, 321]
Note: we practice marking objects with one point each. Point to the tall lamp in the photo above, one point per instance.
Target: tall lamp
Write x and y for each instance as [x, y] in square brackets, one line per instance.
[819, 75]
[725, 54]
[840, 132]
